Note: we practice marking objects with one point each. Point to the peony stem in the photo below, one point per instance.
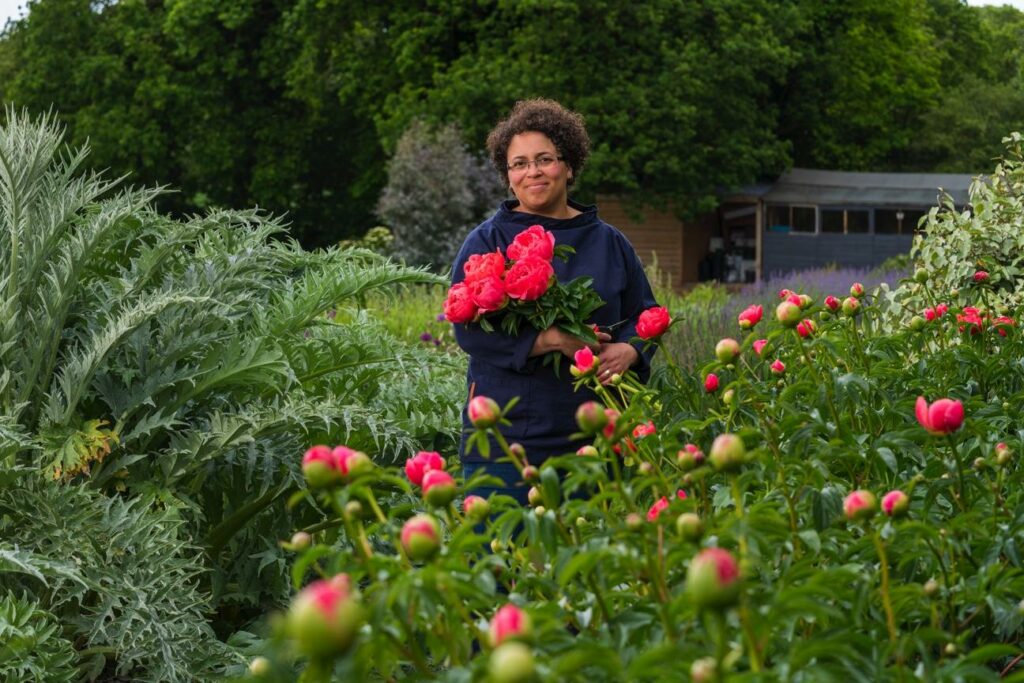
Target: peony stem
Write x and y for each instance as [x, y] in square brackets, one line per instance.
[962, 493]
[883, 561]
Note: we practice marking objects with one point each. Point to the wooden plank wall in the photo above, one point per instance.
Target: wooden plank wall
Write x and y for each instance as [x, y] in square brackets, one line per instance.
[653, 232]
[785, 252]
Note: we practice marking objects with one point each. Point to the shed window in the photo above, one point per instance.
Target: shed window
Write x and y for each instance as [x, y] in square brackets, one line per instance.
[897, 221]
[788, 218]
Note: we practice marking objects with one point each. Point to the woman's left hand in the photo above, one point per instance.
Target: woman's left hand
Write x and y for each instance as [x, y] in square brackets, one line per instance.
[615, 360]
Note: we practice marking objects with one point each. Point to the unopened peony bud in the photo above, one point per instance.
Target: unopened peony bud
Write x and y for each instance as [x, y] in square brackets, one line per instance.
[588, 450]
[689, 527]
[950, 649]
[320, 468]
[421, 537]
[979, 464]
[895, 503]
[917, 323]
[475, 507]
[921, 275]
[531, 474]
[509, 623]
[713, 579]
[438, 488]
[980, 276]
[704, 670]
[832, 303]
[259, 666]
[857, 290]
[590, 417]
[806, 301]
[634, 522]
[727, 452]
[728, 396]
[645, 468]
[860, 505]
[511, 662]
[301, 540]
[325, 617]
[1003, 454]
[851, 307]
[711, 383]
[517, 450]
[689, 457]
[931, 588]
[483, 412]
[727, 350]
[534, 496]
[350, 462]
[496, 546]
[778, 367]
[788, 314]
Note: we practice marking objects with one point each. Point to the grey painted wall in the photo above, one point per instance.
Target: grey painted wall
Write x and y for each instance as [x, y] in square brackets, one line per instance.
[783, 252]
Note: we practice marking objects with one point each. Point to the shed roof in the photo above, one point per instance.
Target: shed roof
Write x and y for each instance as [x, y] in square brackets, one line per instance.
[846, 188]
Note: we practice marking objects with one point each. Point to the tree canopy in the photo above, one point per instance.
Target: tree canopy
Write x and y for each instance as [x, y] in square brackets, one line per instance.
[296, 105]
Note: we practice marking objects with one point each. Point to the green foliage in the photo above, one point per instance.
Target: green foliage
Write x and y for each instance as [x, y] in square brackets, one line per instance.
[32, 649]
[160, 380]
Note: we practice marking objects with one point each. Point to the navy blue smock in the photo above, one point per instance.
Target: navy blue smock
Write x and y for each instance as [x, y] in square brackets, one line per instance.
[499, 364]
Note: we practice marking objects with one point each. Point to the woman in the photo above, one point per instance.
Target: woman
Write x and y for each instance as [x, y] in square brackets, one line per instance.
[539, 151]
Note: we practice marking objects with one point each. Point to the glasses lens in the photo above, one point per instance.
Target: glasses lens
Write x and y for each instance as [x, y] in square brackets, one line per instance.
[518, 166]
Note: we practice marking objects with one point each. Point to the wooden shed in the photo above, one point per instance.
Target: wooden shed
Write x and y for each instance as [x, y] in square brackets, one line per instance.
[807, 218]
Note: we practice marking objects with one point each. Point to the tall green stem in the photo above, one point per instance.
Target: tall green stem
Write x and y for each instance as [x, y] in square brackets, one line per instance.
[883, 561]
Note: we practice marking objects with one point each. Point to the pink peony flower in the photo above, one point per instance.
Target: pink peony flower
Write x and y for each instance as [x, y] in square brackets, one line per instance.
[857, 290]
[534, 242]
[488, 294]
[653, 322]
[859, 505]
[785, 293]
[421, 463]
[759, 345]
[1003, 324]
[585, 362]
[438, 487]
[751, 316]
[972, 320]
[459, 306]
[320, 467]
[778, 367]
[529, 278]
[796, 300]
[945, 416]
[481, 266]
[350, 462]
[980, 276]
[509, 622]
[832, 303]
[805, 328]
[646, 429]
[659, 506]
[711, 383]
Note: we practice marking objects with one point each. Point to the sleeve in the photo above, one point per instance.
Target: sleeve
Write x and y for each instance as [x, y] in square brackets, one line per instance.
[636, 299]
[509, 352]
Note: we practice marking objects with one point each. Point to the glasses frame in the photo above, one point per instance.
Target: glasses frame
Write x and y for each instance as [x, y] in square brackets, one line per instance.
[534, 162]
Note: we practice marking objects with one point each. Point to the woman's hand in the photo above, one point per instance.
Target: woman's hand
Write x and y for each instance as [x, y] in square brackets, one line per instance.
[616, 359]
[556, 339]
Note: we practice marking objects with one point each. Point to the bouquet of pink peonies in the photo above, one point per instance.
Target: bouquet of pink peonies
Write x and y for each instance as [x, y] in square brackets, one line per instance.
[520, 287]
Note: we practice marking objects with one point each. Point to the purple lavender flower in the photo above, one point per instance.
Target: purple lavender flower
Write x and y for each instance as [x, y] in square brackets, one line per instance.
[440, 317]
[426, 337]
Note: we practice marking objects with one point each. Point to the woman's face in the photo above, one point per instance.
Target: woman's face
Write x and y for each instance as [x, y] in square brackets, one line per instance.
[539, 190]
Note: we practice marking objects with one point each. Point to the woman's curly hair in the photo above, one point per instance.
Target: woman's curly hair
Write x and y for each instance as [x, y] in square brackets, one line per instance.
[565, 128]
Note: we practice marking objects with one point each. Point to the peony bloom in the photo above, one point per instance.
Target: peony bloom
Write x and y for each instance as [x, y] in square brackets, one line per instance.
[759, 345]
[421, 537]
[529, 278]
[653, 323]
[711, 383]
[727, 350]
[459, 306]
[942, 417]
[488, 294]
[1003, 324]
[481, 266]
[613, 418]
[859, 505]
[421, 463]
[659, 506]
[646, 429]
[895, 503]
[534, 242]
[483, 412]
[785, 293]
[713, 579]
[751, 316]
[325, 617]
[778, 367]
[971, 320]
[805, 328]
[980, 276]
[585, 362]
[509, 622]
[832, 303]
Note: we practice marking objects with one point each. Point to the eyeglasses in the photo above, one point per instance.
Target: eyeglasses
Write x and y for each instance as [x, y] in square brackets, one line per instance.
[542, 162]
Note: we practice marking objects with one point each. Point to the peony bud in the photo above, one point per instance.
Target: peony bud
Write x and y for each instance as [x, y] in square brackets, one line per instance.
[1003, 454]
[689, 527]
[475, 507]
[917, 323]
[534, 496]
[353, 510]
[531, 474]
[778, 367]
[851, 307]
[704, 670]
[584, 363]
[788, 314]
[759, 346]
[300, 540]
[980, 276]
[931, 588]
[421, 537]
[645, 468]
[921, 275]
[421, 463]
[711, 383]
[588, 450]
[857, 290]
[806, 301]
[832, 303]
[689, 457]
[750, 316]
[509, 623]
[511, 662]
[945, 416]
[805, 328]
[438, 488]
[859, 505]
[325, 617]
[895, 504]
[645, 429]
[351, 462]
[259, 666]
[591, 418]
[713, 579]
[320, 468]
[727, 350]
[483, 412]
[728, 396]
[634, 522]
[727, 452]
